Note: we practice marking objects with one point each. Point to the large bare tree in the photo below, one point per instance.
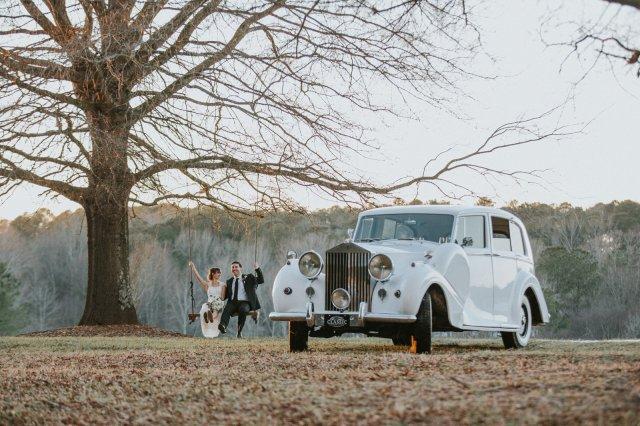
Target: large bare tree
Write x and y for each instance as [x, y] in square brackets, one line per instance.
[110, 103]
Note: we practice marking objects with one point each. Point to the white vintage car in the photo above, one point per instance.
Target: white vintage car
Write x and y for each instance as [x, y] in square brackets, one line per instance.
[410, 270]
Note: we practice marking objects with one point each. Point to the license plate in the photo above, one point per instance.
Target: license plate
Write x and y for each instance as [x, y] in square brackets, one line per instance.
[337, 321]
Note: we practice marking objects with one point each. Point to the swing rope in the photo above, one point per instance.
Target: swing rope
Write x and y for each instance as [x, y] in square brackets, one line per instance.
[193, 315]
[255, 218]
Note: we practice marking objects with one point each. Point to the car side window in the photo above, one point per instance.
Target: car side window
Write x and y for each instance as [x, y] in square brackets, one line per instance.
[517, 240]
[470, 231]
[501, 237]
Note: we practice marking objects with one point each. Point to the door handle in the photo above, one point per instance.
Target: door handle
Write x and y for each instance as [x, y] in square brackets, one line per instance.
[495, 255]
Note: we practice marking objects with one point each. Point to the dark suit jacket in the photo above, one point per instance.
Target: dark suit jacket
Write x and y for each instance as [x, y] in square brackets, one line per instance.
[251, 283]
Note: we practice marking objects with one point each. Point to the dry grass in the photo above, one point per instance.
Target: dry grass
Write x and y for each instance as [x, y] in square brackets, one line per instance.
[106, 331]
[177, 380]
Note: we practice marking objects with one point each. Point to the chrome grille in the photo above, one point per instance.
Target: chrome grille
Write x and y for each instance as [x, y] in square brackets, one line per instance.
[346, 267]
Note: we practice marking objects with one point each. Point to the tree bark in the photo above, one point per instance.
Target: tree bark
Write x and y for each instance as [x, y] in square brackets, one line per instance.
[109, 296]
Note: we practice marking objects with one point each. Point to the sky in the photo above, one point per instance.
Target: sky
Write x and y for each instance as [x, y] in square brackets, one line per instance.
[597, 165]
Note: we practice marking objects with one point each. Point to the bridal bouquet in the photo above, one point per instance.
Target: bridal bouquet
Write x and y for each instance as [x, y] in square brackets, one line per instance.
[215, 304]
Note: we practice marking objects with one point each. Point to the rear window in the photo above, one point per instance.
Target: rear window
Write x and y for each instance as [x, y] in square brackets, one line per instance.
[501, 237]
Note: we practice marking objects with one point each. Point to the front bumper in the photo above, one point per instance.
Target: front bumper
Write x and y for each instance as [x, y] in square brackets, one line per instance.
[357, 319]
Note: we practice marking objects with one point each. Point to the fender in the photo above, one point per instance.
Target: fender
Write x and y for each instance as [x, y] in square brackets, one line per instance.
[527, 282]
[414, 285]
[452, 263]
[289, 276]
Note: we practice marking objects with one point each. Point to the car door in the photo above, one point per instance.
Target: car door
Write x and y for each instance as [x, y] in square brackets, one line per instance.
[504, 270]
[471, 234]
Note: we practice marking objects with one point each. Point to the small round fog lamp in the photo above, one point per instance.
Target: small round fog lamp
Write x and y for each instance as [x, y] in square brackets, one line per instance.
[340, 299]
[382, 293]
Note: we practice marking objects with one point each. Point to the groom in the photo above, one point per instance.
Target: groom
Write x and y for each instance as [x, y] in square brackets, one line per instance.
[241, 296]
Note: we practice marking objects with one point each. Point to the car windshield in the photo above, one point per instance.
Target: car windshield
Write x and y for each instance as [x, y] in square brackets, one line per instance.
[405, 226]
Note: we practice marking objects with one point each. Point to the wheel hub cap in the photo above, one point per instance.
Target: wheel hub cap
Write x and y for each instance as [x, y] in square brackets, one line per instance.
[524, 320]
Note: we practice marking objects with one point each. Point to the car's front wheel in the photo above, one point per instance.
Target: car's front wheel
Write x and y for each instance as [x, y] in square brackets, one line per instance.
[422, 328]
[298, 336]
[520, 338]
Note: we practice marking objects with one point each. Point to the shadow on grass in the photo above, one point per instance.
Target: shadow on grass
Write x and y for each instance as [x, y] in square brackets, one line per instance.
[373, 345]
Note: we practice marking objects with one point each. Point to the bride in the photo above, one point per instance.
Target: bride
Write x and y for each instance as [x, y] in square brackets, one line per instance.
[216, 292]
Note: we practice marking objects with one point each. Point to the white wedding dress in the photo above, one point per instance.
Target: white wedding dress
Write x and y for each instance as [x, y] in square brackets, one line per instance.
[210, 329]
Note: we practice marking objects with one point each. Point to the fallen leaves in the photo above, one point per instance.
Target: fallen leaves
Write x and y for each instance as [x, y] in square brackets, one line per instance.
[340, 381]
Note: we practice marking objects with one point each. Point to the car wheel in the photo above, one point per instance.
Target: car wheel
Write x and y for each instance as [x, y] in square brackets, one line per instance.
[401, 340]
[421, 333]
[520, 338]
[298, 336]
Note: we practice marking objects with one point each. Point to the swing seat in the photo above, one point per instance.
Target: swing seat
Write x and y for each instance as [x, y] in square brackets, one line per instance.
[255, 313]
[194, 317]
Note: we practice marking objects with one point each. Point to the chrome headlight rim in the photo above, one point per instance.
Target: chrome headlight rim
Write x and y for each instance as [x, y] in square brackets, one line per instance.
[320, 268]
[346, 299]
[390, 269]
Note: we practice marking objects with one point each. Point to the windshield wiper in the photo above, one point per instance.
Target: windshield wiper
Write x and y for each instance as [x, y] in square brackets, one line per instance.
[368, 240]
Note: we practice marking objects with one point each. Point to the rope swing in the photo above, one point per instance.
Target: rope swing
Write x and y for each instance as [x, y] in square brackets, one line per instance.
[193, 315]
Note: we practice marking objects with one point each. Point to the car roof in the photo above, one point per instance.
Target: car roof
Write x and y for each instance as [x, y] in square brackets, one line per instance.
[440, 209]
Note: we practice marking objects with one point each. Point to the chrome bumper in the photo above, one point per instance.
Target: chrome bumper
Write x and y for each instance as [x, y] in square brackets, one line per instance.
[357, 319]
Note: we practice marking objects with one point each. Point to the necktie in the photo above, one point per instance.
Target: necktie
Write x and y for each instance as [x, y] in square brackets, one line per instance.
[235, 290]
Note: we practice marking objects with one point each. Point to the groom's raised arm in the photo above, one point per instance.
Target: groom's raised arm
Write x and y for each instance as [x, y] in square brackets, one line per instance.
[259, 276]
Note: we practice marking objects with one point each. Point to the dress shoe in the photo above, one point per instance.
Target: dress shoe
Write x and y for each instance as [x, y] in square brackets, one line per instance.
[222, 328]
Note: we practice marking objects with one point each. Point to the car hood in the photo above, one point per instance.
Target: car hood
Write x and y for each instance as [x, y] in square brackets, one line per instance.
[399, 247]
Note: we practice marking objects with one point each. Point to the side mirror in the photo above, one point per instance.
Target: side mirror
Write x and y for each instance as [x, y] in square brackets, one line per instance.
[467, 241]
[350, 233]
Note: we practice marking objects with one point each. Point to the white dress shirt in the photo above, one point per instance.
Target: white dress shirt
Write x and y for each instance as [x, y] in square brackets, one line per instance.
[242, 294]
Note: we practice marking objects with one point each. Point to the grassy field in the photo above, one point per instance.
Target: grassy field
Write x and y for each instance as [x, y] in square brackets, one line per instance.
[177, 380]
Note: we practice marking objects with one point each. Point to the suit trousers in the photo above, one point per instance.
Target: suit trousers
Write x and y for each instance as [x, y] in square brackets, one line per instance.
[240, 307]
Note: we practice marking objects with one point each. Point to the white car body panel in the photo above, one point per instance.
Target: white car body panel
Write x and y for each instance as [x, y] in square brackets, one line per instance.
[482, 286]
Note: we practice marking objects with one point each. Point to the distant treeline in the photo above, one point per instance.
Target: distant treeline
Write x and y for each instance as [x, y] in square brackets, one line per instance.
[588, 261]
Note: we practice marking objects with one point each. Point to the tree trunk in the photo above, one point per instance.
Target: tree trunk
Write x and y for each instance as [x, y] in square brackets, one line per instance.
[105, 202]
[109, 297]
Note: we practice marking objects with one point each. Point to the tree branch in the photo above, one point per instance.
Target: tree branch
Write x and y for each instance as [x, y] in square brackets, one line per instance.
[632, 3]
[14, 172]
[196, 71]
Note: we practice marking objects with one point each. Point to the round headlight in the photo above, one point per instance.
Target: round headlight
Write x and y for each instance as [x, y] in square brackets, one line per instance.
[380, 267]
[310, 264]
[340, 298]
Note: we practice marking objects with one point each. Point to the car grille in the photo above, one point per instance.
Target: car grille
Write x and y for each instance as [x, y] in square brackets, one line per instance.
[346, 267]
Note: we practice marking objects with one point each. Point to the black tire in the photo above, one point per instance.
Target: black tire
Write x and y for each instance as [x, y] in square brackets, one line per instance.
[401, 340]
[520, 339]
[298, 336]
[422, 328]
